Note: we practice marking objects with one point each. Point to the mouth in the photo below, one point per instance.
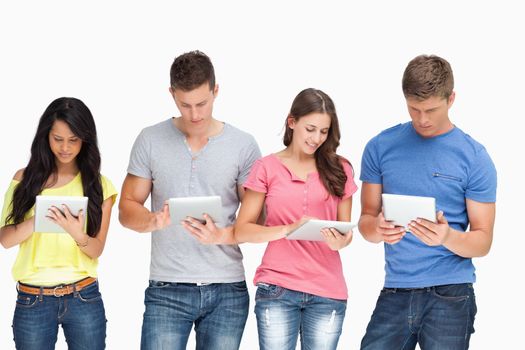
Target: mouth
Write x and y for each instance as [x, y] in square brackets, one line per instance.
[64, 155]
[313, 146]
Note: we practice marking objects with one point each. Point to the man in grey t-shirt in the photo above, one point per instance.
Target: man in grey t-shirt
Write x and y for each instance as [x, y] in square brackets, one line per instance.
[196, 273]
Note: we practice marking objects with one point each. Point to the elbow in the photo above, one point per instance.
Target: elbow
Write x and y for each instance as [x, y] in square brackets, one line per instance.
[237, 236]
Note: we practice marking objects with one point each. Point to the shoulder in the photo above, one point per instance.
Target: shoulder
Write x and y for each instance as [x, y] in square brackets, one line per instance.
[156, 129]
[391, 134]
[470, 141]
[19, 175]
[238, 135]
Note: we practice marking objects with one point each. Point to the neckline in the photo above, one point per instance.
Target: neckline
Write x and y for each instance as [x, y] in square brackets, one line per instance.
[55, 188]
[210, 138]
[292, 174]
[413, 130]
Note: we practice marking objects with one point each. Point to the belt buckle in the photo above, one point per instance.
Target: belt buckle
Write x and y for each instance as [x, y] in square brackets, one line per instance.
[200, 284]
[55, 291]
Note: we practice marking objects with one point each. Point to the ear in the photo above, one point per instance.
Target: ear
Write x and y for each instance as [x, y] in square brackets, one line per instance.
[451, 99]
[172, 92]
[216, 90]
[290, 121]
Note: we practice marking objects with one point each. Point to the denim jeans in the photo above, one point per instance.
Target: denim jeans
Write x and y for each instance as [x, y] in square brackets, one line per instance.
[440, 317]
[282, 314]
[81, 314]
[218, 311]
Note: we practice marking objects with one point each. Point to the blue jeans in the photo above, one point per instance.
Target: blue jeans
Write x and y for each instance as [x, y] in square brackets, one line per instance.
[440, 317]
[282, 314]
[218, 310]
[81, 314]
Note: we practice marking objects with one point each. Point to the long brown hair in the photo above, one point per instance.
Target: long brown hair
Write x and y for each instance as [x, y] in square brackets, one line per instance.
[327, 161]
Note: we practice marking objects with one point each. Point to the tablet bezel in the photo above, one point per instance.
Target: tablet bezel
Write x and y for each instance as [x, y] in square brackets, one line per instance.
[402, 209]
[311, 230]
[182, 207]
[42, 204]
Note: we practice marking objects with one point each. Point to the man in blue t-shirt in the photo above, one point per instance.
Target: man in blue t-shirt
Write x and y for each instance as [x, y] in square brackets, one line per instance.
[428, 296]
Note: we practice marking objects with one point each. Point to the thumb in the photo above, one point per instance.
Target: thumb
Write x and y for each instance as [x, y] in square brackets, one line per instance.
[441, 218]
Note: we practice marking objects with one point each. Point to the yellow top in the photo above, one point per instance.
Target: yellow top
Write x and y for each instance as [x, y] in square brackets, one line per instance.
[47, 259]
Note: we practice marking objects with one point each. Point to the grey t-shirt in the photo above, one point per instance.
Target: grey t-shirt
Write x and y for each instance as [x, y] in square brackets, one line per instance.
[160, 153]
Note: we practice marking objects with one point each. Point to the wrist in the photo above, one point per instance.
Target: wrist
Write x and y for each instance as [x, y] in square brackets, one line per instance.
[83, 242]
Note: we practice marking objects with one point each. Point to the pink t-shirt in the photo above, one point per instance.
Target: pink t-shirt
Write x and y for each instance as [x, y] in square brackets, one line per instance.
[305, 266]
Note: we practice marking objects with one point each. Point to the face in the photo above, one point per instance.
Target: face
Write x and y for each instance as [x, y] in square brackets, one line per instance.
[430, 116]
[310, 131]
[63, 143]
[195, 106]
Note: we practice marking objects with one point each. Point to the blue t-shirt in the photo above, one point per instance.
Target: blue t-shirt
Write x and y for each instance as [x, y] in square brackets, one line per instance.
[449, 167]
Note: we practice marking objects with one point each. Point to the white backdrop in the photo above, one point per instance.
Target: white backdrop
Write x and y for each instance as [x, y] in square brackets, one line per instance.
[116, 56]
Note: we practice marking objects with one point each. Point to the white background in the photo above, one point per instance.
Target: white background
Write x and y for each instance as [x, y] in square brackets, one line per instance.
[116, 56]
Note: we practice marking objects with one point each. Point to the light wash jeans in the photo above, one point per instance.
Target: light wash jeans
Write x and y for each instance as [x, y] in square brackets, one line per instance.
[283, 314]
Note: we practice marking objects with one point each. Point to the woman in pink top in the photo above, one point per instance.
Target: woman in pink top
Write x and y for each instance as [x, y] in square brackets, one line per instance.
[301, 287]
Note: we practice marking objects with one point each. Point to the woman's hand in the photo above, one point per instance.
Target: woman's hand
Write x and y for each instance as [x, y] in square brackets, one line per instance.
[74, 225]
[335, 239]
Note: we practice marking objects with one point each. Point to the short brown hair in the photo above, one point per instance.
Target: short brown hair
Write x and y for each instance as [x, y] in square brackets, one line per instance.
[427, 76]
[190, 70]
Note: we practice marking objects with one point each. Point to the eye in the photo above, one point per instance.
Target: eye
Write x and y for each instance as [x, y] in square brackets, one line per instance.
[324, 132]
[57, 139]
[74, 140]
[310, 129]
[202, 104]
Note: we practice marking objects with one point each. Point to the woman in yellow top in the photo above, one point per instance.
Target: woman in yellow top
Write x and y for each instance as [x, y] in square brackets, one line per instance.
[56, 272]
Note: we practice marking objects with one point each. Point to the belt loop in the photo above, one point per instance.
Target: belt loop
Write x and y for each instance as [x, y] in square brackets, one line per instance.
[41, 294]
[75, 292]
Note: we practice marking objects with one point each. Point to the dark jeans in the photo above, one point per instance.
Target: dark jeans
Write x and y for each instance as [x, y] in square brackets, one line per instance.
[440, 317]
[218, 311]
[81, 314]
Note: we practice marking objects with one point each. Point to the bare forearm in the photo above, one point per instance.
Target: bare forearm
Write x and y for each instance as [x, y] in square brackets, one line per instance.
[468, 244]
[367, 227]
[136, 217]
[91, 246]
[12, 235]
[254, 233]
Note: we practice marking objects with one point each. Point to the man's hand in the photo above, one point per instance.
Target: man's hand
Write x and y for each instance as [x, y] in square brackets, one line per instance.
[162, 217]
[208, 233]
[389, 232]
[432, 234]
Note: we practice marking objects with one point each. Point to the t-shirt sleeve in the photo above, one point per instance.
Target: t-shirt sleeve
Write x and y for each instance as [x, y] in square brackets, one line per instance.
[8, 205]
[370, 169]
[140, 157]
[249, 155]
[350, 185]
[258, 179]
[108, 189]
[482, 181]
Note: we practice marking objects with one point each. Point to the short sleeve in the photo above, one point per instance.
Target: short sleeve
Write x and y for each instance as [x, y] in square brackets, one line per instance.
[350, 185]
[8, 203]
[482, 181]
[248, 156]
[258, 178]
[370, 169]
[140, 157]
[108, 189]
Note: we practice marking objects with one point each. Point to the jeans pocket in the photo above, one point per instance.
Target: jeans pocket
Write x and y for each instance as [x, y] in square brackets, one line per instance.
[158, 284]
[90, 294]
[268, 291]
[238, 286]
[26, 301]
[453, 292]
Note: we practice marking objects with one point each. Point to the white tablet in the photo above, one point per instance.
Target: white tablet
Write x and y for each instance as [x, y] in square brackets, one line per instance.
[402, 209]
[43, 203]
[311, 230]
[182, 207]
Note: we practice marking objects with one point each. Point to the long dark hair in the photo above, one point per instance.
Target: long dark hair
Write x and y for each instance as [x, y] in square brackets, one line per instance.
[42, 164]
[328, 163]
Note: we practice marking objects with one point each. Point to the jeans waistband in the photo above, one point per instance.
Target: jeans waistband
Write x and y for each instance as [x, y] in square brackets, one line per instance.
[420, 289]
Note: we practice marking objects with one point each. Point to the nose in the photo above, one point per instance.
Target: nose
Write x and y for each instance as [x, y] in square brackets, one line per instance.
[64, 147]
[317, 137]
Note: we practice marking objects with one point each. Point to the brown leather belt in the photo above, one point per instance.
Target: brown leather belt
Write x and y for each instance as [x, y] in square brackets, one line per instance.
[57, 291]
